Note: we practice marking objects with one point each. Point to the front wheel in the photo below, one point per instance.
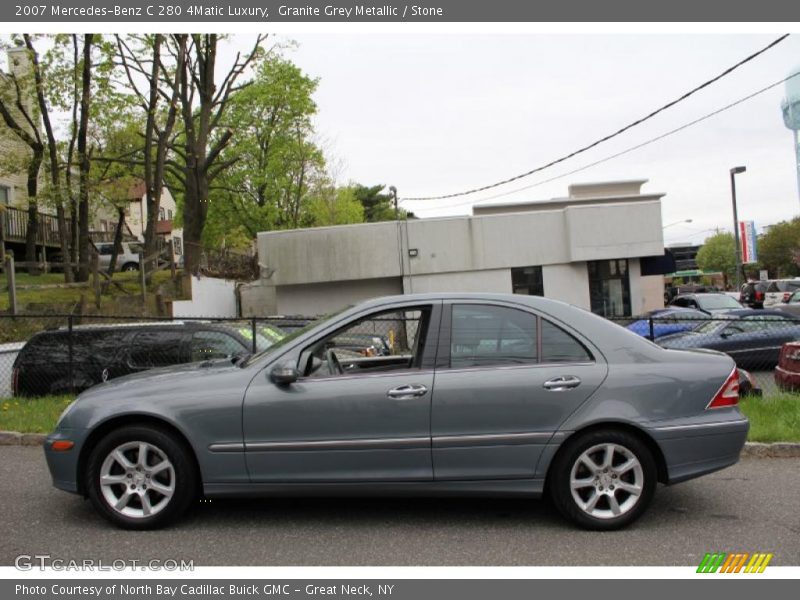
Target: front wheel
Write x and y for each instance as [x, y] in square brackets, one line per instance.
[140, 477]
[603, 479]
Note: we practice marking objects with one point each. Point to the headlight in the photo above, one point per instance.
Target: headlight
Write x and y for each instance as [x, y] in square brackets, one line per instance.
[65, 412]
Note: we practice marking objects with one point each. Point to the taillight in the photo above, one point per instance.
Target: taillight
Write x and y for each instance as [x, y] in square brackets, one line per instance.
[728, 394]
[786, 296]
[15, 381]
[759, 296]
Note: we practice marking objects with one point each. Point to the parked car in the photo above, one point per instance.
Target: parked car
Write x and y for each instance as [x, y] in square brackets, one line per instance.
[483, 394]
[128, 260]
[753, 338]
[668, 320]
[748, 385]
[288, 324]
[779, 291]
[790, 306]
[753, 294]
[787, 371]
[711, 303]
[103, 352]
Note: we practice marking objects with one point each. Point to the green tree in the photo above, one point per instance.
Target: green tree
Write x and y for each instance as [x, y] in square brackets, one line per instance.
[330, 205]
[274, 164]
[779, 249]
[378, 206]
[718, 254]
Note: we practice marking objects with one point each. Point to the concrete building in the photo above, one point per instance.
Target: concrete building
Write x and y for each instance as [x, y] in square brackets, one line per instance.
[588, 249]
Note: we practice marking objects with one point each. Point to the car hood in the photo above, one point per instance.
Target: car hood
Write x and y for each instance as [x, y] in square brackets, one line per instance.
[162, 379]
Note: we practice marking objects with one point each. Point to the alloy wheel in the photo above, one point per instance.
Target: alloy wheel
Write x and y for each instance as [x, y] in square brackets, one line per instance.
[606, 481]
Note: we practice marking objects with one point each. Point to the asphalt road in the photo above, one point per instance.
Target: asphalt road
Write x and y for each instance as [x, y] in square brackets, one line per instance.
[753, 506]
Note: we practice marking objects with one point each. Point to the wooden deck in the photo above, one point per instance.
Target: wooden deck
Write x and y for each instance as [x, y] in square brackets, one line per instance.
[15, 225]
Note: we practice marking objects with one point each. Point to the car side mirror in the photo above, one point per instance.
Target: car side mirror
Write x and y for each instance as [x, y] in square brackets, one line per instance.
[284, 374]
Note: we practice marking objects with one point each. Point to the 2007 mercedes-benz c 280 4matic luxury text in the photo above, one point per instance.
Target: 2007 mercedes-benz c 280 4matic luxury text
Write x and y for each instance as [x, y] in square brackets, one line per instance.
[465, 394]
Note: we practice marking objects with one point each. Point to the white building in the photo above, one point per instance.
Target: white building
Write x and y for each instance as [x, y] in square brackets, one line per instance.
[588, 249]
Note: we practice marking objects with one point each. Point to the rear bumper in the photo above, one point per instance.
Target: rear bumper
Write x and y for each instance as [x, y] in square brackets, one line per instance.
[787, 380]
[694, 449]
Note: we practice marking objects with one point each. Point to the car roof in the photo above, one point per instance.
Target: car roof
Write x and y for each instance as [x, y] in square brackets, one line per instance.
[759, 312]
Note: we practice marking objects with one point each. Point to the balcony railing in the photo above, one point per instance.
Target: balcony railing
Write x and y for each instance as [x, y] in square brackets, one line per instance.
[15, 225]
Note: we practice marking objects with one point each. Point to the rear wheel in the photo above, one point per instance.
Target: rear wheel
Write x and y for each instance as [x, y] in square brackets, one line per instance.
[130, 267]
[140, 478]
[603, 479]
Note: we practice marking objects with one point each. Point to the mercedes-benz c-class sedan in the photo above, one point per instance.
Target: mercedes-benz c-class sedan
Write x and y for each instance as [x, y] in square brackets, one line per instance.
[469, 394]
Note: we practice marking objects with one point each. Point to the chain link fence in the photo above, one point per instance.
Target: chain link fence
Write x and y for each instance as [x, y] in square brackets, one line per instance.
[42, 354]
[755, 341]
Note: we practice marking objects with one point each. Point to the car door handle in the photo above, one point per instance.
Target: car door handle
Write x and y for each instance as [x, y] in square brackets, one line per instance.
[562, 383]
[405, 392]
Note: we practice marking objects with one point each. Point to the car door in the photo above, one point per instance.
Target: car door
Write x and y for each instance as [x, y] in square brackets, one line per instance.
[354, 414]
[506, 379]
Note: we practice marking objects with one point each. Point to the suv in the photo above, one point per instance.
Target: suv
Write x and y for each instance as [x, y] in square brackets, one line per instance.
[127, 260]
[753, 294]
[103, 352]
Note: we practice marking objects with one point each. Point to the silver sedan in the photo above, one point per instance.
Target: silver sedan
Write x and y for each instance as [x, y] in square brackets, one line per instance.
[469, 395]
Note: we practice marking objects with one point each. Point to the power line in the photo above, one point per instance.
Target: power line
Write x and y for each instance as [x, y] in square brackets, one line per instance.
[616, 133]
[627, 150]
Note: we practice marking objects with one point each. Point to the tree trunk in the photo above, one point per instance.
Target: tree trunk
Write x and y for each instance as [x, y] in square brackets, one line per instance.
[83, 156]
[117, 240]
[32, 230]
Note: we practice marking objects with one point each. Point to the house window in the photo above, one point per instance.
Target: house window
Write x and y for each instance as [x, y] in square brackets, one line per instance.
[177, 246]
[169, 214]
[609, 288]
[527, 280]
[4, 195]
[160, 214]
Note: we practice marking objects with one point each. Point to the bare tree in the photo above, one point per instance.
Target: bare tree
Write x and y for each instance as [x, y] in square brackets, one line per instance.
[22, 119]
[83, 158]
[204, 136]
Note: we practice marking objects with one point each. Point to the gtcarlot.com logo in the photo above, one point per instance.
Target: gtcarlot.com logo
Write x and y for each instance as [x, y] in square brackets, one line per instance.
[734, 562]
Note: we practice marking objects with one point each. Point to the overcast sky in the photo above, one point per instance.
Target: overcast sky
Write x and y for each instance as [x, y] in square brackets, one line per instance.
[436, 114]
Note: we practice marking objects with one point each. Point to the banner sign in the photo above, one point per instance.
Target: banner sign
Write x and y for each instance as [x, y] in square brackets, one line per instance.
[747, 235]
[338, 11]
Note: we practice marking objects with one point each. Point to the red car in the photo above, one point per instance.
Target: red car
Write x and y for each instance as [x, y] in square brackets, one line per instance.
[787, 373]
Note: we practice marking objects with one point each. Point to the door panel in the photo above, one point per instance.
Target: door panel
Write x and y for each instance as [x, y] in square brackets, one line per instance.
[367, 419]
[492, 421]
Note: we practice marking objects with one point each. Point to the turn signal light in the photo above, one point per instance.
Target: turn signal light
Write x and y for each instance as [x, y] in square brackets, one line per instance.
[62, 445]
[728, 394]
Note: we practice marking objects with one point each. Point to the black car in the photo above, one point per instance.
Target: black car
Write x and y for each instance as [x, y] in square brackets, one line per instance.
[753, 293]
[50, 364]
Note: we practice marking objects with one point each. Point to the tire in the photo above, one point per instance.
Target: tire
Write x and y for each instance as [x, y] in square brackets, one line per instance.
[147, 498]
[130, 267]
[619, 496]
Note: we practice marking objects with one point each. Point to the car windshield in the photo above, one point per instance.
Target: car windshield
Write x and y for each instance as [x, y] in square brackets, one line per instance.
[710, 326]
[717, 302]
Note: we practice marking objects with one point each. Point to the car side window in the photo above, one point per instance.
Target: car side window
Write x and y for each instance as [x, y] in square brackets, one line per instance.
[381, 342]
[484, 335]
[559, 346]
[155, 349]
[208, 345]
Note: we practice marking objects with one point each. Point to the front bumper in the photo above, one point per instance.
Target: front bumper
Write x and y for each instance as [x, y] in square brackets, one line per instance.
[694, 449]
[63, 465]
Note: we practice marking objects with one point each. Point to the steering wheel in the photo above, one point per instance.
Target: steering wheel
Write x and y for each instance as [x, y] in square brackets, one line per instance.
[334, 366]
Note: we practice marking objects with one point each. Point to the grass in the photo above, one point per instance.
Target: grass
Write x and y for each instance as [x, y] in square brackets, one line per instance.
[66, 296]
[774, 418]
[32, 415]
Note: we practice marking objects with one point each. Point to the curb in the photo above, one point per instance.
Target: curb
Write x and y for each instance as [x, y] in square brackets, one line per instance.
[750, 450]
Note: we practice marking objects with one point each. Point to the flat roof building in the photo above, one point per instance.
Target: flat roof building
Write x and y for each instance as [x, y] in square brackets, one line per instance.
[584, 249]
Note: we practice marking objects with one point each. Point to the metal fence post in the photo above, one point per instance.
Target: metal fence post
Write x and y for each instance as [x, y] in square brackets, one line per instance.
[12, 284]
[255, 346]
[70, 355]
[652, 332]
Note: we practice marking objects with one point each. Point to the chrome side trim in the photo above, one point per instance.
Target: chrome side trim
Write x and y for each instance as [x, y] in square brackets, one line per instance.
[355, 444]
[227, 447]
[738, 423]
[499, 439]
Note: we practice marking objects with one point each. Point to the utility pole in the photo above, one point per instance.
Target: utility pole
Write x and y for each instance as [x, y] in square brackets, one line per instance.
[393, 191]
[735, 171]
